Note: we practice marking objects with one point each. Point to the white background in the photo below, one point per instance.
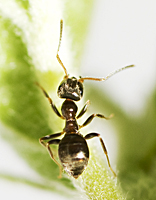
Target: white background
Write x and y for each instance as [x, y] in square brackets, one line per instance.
[121, 33]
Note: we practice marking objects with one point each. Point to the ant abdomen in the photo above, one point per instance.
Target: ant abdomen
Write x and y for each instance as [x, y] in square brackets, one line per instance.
[74, 154]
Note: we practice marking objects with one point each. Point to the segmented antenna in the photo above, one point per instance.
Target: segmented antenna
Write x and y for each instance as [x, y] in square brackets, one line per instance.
[57, 56]
[107, 77]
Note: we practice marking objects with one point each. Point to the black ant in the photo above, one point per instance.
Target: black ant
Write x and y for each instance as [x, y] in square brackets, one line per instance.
[73, 149]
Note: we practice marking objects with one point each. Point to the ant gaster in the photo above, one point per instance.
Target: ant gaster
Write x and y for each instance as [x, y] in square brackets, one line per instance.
[73, 149]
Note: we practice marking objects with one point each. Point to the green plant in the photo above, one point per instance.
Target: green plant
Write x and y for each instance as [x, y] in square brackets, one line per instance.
[27, 57]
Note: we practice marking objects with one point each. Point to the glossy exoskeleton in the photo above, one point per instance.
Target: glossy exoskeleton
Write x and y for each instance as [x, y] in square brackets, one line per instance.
[73, 149]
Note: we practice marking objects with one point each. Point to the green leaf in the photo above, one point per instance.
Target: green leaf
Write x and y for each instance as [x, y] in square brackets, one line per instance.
[137, 145]
[97, 182]
[25, 110]
[23, 107]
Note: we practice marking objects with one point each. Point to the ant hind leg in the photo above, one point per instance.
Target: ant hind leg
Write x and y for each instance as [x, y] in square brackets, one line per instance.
[50, 140]
[92, 135]
[56, 141]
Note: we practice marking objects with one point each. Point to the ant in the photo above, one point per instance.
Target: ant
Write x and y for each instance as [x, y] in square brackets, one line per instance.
[73, 149]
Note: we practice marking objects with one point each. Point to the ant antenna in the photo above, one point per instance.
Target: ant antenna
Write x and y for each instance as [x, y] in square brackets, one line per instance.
[107, 77]
[57, 56]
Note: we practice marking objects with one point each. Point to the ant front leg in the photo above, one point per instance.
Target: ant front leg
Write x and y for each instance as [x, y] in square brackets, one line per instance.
[50, 101]
[92, 117]
[84, 109]
[92, 135]
[47, 145]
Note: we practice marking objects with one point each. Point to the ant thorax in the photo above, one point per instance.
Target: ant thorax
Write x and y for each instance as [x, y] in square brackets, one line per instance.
[69, 109]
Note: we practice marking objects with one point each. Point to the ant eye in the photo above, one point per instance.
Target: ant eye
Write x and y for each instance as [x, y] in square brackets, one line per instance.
[80, 88]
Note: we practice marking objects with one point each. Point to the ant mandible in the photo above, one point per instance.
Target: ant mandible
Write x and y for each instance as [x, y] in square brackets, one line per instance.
[73, 149]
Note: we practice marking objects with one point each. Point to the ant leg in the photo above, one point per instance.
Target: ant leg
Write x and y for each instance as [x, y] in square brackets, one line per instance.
[50, 101]
[84, 109]
[47, 145]
[56, 141]
[91, 135]
[91, 118]
[49, 137]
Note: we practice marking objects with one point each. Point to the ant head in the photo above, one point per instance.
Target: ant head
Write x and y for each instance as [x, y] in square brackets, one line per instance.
[70, 88]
